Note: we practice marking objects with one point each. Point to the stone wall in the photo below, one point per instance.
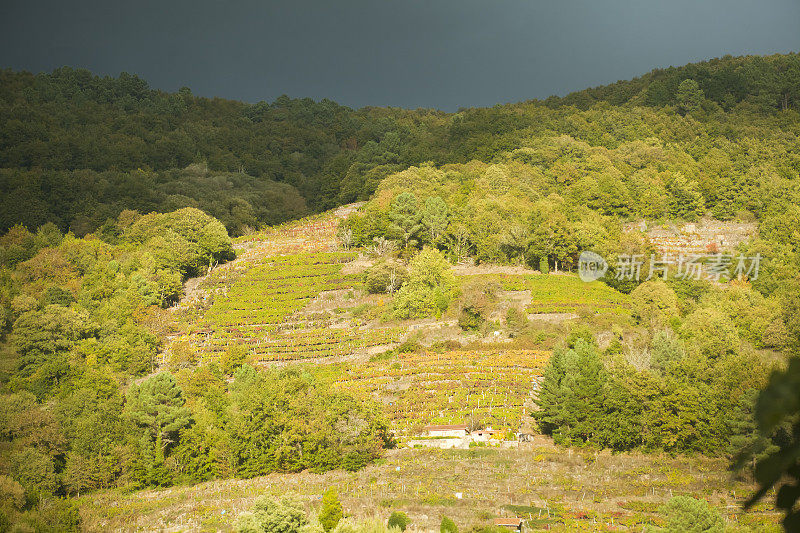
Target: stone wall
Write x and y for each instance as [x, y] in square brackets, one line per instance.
[706, 236]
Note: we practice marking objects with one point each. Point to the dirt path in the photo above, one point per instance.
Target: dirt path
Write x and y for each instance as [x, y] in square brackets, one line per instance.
[478, 270]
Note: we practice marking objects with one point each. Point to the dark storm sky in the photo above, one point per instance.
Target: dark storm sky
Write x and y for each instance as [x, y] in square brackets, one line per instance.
[412, 53]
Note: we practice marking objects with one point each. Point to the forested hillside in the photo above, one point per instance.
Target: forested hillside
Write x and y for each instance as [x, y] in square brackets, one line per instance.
[768, 82]
[179, 304]
[86, 404]
[76, 149]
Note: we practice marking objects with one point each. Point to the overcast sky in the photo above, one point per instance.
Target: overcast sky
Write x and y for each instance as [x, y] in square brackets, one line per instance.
[410, 53]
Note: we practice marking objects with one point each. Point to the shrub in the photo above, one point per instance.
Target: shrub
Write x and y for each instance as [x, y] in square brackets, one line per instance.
[515, 319]
[476, 301]
[384, 277]
[687, 515]
[430, 287]
[447, 526]
[52, 515]
[544, 268]
[331, 511]
[409, 346]
[283, 516]
[399, 520]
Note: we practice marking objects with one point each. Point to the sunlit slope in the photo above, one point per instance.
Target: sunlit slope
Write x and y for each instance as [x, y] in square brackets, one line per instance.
[449, 387]
[293, 295]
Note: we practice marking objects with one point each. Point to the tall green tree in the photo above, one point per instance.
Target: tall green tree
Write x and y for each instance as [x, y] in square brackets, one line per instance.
[690, 96]
[435, 218]
[158, 406]
[405, 217]
[571, 395]
[331, 511]
[430, 287]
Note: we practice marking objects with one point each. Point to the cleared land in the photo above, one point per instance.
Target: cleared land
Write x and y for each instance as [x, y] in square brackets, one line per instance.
[556, 489]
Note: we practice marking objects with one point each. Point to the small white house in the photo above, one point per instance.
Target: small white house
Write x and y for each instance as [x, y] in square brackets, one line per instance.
[458, 431]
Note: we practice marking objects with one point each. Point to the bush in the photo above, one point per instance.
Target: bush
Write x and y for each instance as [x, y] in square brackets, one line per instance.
[384, 277]
[399, 520]
[688, 515]
[331, 511]
[447, 526]
[544, 268]
[515, 319]
[476, 301]
[284, 516]
[409, 346]
[54, 515]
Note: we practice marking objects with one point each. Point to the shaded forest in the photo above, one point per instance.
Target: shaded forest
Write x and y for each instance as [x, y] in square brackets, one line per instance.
[79, 148]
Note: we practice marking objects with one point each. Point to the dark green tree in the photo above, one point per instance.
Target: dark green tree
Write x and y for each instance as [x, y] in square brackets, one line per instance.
[157, 405]
[689, 96]
[685, 514]
[571, 395]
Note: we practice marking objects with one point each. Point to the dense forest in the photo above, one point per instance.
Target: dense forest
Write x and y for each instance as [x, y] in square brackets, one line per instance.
[84, 405]
[83, 148]
[114, 194]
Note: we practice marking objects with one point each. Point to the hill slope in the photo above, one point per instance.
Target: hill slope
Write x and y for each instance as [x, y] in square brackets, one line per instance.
[73, 144]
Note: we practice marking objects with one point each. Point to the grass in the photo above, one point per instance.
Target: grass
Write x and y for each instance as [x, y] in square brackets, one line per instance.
[570, 490]
[562, 293]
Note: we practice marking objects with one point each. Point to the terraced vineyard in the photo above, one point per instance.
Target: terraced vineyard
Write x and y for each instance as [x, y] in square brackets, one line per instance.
[316, 233]
[449, 387]
[562, 293]
[568, 294]
[287, 299]
[263, 311]
[278, 287]
[261, 300]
